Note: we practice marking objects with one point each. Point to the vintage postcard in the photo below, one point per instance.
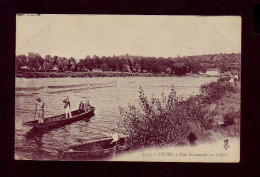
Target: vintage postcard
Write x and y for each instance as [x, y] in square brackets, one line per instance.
[150, 88]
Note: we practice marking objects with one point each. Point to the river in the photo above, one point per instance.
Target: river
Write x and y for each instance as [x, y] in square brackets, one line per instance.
[29, 145]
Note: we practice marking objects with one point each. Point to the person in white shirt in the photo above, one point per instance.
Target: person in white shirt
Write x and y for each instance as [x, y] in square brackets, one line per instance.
[40, 110]
[67, 107]
[114, 141]
[114, 136]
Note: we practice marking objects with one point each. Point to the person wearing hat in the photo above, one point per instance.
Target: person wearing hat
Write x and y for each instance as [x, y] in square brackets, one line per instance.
[40, 109]
[67, 107]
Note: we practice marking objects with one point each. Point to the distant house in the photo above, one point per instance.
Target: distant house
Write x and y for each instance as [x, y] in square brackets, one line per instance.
[97, 70]
[55, 68]
[85, 69]
[201, 72]
[225, 73]
[25, 68]
[128, 68]
[213, 72]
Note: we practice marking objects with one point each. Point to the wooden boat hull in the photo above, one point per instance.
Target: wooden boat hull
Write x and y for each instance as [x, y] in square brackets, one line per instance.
[56, 89]
[96, 150]
[60, 120]
[60, 88]
[22, 93]
[65, 88]
[29, 88]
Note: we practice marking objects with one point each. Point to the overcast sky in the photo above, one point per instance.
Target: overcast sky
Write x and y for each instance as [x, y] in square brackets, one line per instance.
[106, 35]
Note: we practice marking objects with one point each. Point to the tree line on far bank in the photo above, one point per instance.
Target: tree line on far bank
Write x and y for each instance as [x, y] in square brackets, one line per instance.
[126, 63]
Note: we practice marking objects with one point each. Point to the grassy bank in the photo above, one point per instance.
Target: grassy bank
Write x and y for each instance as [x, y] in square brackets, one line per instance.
[225, 103]
[213, 114]
[85, 74]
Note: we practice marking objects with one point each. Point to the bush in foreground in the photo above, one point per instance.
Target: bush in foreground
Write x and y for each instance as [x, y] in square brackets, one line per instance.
[231, 118]
[166, 120]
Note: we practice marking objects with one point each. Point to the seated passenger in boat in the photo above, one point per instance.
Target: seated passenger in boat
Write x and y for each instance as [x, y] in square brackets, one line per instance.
[87, 106]
[40, 110]
[114, 136]
[81, 107]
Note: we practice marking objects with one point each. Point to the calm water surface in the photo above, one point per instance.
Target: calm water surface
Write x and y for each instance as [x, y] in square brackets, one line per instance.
[30, 145]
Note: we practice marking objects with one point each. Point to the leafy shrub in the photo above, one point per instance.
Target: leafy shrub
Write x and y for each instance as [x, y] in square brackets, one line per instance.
[216, 90]
[230, 117]
[166, 120]
[223, 79]
[231, 128]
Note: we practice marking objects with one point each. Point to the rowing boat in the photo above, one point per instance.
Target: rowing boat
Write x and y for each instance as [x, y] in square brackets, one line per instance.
[60, 88]
[29, 88]
[60, 120]
[22, 93]
[94, 150]
[65, 88]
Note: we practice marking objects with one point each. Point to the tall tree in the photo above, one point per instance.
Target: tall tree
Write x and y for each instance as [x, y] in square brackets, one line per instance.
[60, 63]
[47, 65]
[35, 61]
[180, 69]
[20, 61]
[72, 64]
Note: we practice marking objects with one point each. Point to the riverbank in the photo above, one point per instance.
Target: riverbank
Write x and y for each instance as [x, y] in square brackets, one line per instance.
[226, 116]
[89, 74]
[221, 122]
[85, 74]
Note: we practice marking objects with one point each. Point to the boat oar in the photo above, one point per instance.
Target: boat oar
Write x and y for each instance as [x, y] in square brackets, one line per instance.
[92, 139]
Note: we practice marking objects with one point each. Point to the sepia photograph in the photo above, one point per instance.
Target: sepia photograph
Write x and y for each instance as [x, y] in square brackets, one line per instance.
[150, 88]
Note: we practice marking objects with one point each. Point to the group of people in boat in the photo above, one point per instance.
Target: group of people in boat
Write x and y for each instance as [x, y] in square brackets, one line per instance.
[84, 107]
[39, 109]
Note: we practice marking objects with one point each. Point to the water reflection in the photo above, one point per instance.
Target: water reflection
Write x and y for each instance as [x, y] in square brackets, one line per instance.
[35, 137]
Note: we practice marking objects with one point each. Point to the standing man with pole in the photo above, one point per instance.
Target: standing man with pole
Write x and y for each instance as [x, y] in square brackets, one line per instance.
[67, 107]
[39, 109]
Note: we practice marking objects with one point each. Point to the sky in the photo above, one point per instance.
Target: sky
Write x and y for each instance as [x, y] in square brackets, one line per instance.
[143, 35]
